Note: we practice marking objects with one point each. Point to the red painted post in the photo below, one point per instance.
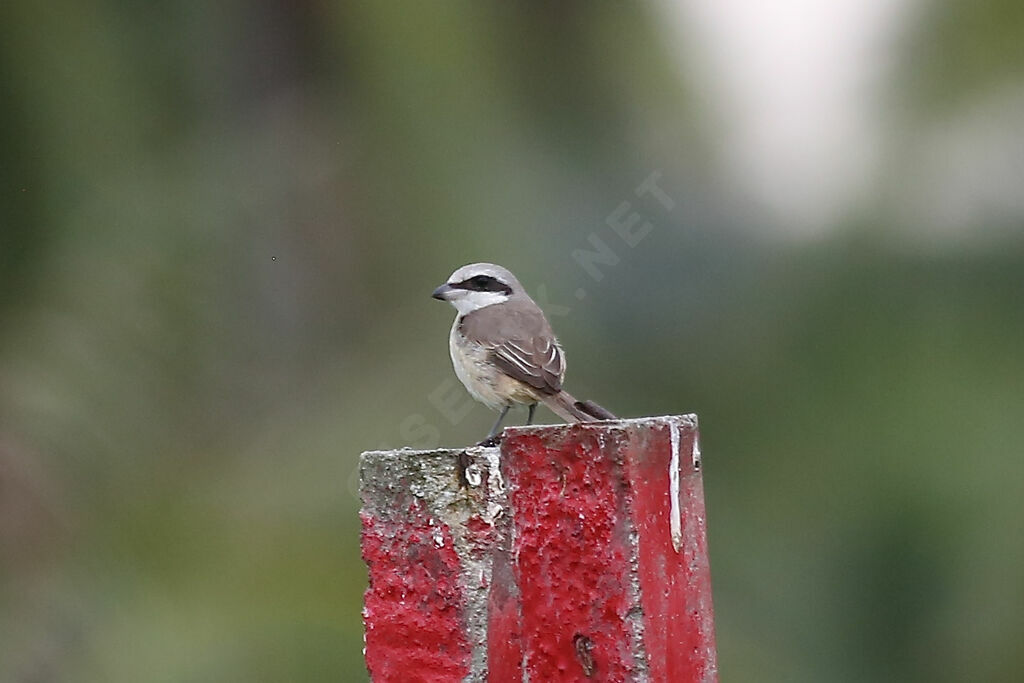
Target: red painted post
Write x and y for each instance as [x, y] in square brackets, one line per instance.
[579, 554]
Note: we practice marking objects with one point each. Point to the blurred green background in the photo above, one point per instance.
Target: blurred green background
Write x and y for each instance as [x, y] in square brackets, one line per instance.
[221, 223]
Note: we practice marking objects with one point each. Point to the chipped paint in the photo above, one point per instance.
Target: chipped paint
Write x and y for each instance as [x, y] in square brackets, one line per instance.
[427, 542]
[474, 477]
[675, 518]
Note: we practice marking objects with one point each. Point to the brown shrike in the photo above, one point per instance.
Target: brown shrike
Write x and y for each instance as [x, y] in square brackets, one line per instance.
[503, 349]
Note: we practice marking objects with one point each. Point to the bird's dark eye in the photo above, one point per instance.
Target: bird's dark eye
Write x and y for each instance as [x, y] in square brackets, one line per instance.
[482, 282]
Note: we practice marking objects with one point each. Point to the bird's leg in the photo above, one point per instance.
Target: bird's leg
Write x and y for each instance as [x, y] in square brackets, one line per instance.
[493, 438]
[529, 417]
[497, 423]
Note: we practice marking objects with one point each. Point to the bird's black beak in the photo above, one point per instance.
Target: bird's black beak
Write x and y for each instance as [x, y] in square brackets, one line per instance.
[441, 293]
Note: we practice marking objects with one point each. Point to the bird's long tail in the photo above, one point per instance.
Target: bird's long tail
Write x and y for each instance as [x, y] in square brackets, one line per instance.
[569, 409]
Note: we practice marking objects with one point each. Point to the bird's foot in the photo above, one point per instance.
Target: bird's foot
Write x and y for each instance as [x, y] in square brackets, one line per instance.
[491, 441]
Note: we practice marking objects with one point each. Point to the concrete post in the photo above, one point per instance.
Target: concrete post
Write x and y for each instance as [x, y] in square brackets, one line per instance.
[570, 553]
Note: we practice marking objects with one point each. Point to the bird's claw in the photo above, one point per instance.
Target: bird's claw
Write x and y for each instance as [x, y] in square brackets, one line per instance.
[491, 441]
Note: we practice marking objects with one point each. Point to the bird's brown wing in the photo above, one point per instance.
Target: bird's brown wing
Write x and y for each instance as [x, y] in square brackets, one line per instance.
[521, 342]
[537, 362]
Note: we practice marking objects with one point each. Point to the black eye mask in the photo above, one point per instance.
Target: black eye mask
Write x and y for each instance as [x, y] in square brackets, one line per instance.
[484, 283]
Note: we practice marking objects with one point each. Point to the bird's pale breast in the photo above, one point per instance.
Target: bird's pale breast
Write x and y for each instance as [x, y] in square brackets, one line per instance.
[482, 379]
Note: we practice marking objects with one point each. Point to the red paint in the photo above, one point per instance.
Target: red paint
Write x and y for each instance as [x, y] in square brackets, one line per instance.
[480, 534]
[572, 554]
[413, 606]
[504, 623]
[675, 588]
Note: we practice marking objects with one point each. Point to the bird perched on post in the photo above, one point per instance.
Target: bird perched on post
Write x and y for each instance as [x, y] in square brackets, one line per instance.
[503, 349]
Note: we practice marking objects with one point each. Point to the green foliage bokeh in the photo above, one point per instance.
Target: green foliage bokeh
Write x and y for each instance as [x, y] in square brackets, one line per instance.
[220, 227]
